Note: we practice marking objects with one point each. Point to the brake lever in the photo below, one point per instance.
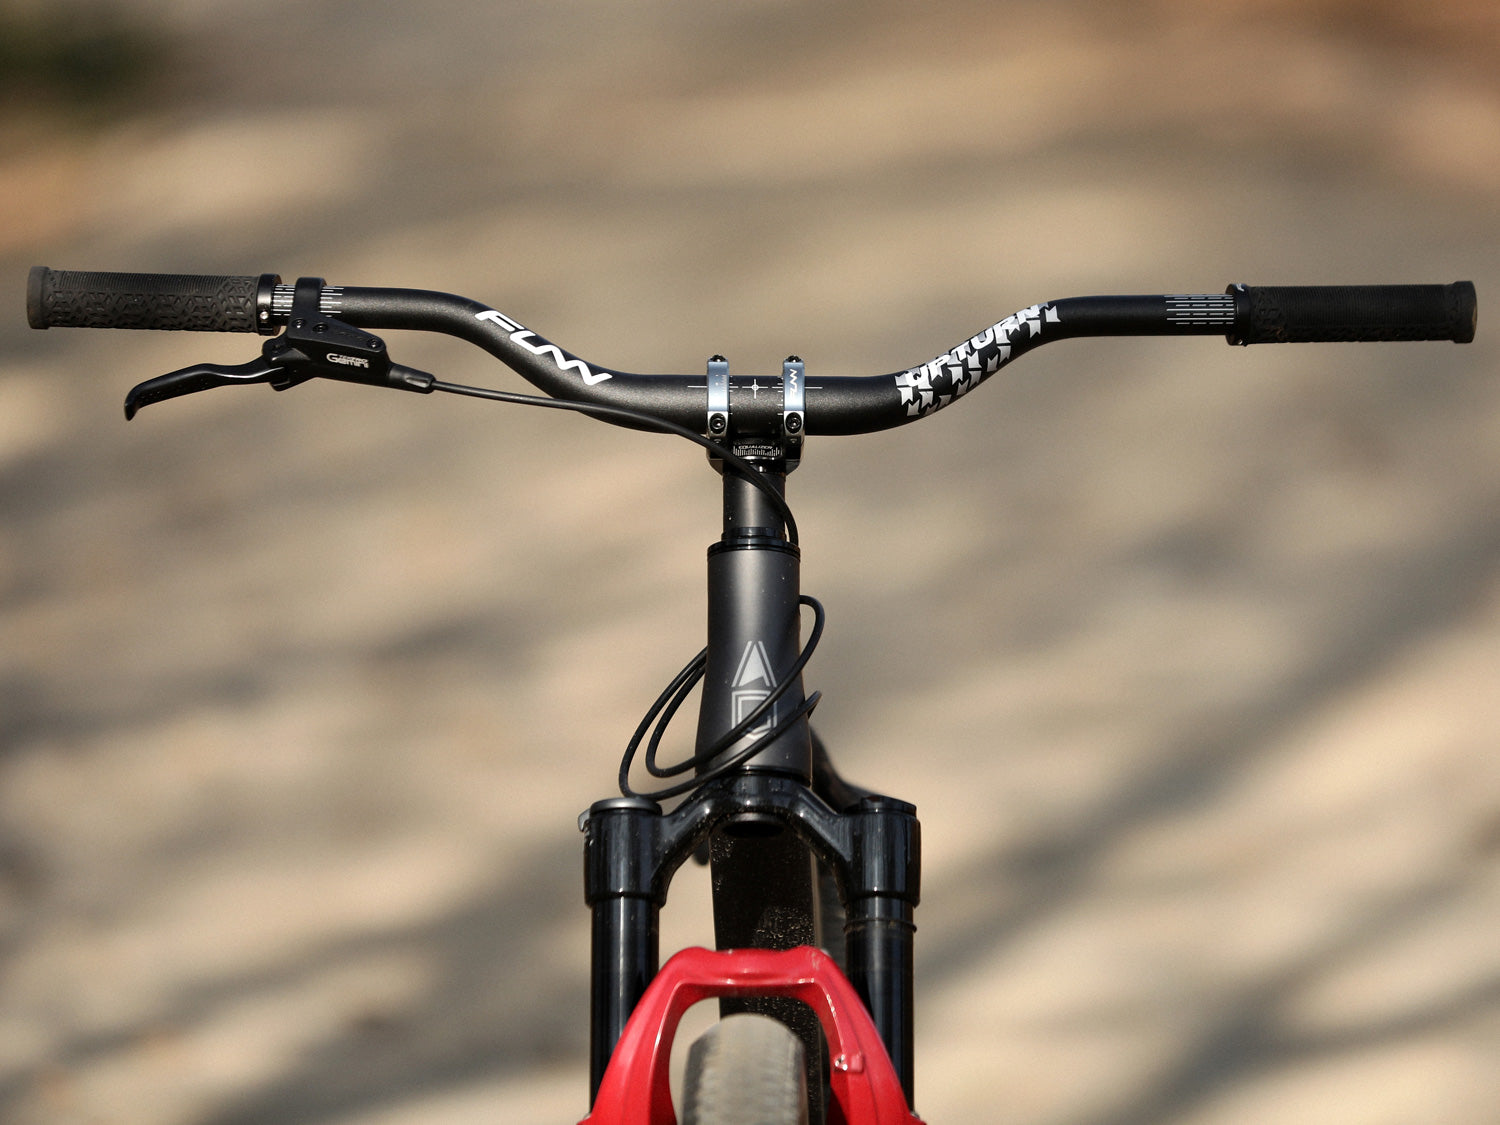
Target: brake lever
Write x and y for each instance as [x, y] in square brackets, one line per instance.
[204, 376]
[313, 345]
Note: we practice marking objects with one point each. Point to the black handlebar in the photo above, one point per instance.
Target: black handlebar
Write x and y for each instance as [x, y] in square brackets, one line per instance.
[1260, 314]
[832, 405]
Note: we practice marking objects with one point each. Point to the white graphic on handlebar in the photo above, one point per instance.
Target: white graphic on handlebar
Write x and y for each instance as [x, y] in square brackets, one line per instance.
[937, 383]
[524, 336]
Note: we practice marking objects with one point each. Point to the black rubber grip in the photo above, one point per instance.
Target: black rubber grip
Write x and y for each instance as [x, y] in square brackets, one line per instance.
[1277, 314]
[179, 302]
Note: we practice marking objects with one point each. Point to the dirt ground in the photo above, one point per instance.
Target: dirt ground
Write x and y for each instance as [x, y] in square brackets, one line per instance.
[1189, 656]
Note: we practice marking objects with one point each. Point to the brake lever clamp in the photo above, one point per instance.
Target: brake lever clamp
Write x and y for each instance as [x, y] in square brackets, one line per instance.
[315, 344]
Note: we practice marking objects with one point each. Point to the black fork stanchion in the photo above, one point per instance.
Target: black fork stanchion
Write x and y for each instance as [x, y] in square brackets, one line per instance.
[622, 862]
[882, 883]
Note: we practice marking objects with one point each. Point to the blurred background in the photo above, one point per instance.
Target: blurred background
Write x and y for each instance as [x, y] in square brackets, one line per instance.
[1187, 655]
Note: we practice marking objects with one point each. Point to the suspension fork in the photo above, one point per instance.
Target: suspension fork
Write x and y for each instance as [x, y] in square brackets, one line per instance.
[632, 848]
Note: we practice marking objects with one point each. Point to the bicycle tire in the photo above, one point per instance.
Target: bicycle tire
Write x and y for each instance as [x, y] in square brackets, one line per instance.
[745, 1070]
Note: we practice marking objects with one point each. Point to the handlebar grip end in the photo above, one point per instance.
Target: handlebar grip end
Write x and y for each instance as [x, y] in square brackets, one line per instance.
[1465, 315]
[1276, 314]
[36, 283]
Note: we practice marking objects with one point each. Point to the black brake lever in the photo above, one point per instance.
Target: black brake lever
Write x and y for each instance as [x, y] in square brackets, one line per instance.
[204, 376]
[312, 345]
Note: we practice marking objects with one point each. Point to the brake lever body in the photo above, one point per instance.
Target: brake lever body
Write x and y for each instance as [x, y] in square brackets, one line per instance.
[313, 345]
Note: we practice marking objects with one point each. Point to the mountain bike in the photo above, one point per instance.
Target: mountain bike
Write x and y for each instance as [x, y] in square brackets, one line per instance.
[815, 880]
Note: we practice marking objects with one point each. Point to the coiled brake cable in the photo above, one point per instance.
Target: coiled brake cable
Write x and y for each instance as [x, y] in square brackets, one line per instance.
[665, 708]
